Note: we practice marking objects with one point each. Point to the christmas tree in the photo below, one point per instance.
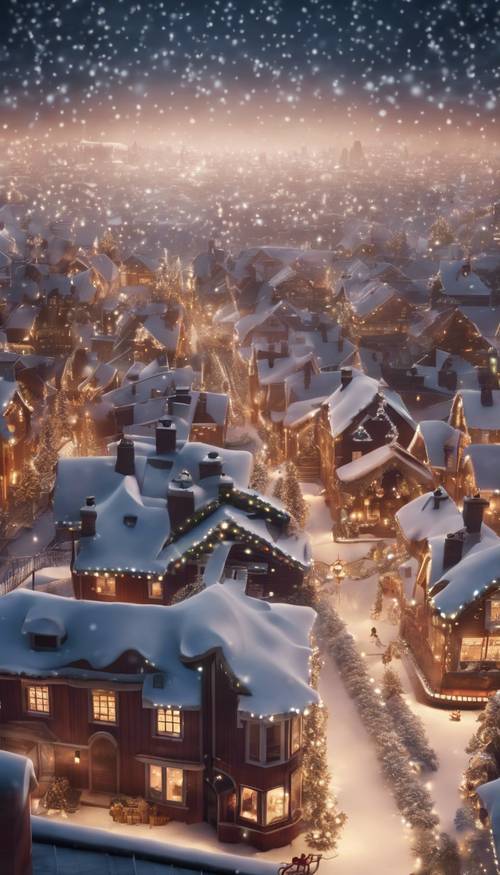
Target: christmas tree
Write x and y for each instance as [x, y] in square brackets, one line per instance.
[440, 233]
[292, 495]
[260, 475]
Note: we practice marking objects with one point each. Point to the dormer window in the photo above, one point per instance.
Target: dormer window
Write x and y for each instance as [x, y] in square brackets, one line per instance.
[44, 642]
[130, 520]
[45, 633]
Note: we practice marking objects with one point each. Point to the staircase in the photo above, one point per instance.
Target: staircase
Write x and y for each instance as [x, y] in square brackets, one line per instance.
[308, 466]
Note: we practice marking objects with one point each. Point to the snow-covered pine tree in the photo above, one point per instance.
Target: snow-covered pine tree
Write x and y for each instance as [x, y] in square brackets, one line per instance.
[409, 727]
[292, 495]
[259, 479]
[440, 233]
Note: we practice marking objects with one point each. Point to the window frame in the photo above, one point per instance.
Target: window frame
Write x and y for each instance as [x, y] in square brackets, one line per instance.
[297, 776]
[92, 717]
[151, 584]
[241, 815]
[286, 751]
[105, 581]
[158, 734]
[164, 784]
[26, 709]
[286, 806]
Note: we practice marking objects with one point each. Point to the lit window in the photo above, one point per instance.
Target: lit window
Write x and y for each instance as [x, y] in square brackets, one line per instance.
[472, 649]
[249, 803]
[155, 589]
[175, 785]
[37, 699]
[276, 804]
[103, 706]
[295, 735]
[296, 792]
[168, 722]
[494, 609]
[156, 781]
[106, 586]
[494, 648]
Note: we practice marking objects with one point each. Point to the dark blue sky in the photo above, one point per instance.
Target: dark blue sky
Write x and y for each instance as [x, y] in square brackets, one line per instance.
[83, 62]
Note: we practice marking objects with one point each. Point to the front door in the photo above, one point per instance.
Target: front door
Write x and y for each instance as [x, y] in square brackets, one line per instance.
[103, 765]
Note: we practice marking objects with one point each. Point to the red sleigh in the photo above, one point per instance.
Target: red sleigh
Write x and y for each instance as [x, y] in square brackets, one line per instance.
[306, 864]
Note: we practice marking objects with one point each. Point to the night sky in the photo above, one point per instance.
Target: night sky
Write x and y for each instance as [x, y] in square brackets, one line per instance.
[104, 67]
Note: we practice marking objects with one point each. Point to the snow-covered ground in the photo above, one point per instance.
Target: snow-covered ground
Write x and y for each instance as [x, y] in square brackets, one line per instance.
[34, 539]
[448, 738]
[56, 580]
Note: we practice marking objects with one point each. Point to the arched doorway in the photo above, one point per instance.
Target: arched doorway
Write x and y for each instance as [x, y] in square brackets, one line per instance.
[103, 763]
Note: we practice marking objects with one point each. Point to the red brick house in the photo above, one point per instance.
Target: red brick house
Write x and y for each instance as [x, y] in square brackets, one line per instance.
[179, 704]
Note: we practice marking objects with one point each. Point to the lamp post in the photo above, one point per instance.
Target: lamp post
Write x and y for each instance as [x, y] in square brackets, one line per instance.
[339, 573]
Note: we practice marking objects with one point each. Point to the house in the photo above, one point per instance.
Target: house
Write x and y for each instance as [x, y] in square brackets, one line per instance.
[439, 446]
[156, 516]
[476, 412]
[373, 487]
[106, 273]
[209, 274]
[480, 472]
[427, 516]
[139, 269]
[20, 327]
[459, 281]
[447, 329]
[151, 329]
[380, 316]
[180, 705]
[15, 430]
[361, 415]
[452, 622]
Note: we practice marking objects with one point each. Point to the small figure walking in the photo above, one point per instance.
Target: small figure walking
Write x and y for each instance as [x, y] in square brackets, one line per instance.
[374, 635]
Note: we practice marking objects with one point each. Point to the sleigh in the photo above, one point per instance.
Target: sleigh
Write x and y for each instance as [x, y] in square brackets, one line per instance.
[306, 864]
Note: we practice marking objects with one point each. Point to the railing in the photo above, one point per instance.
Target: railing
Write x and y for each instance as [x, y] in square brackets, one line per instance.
[14, 571]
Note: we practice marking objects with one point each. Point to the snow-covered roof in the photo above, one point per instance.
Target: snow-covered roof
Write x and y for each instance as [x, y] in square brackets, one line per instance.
[437, 435]
[220, 618]
[17, 781]
[477, 415]
[103, 265]
[383, 457]
[489, 795]
[469, 579]
[485, 463]
[424, 518]
[349, 401]
[461, 282]
[375, 295]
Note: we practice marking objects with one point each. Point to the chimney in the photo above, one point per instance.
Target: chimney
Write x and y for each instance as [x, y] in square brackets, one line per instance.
[486, 397]
[211, 465]
[453, 548]
[180, 499]
[226, 487]
[17, 782]
[438, 497]
[473, 512]
[340, 343]
[125, 457]
[308, 369]
[88, 518]
[345, 377]
[166, 436]
[323, 330]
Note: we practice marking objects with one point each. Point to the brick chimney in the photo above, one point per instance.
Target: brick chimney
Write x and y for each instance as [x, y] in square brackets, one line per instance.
[180, 499]
[125, 457]
[345, 377]
[211, 465]
[453, 549]
[486, 397]
[88, 518]
[473, 512]
[166, 436]
[17, 782]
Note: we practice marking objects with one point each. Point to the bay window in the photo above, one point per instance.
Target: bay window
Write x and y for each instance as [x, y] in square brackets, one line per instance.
[480, 649]
[272, 741]
[249, 803]
[166, 784]
[276, 805]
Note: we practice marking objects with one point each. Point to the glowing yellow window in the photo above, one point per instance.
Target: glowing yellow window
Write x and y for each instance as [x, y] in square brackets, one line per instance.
[156, 781]
[249, 803]
[276, 804]
[472, 649]
[103, 706]
[175, 785]
[169, 722]
[37, 699]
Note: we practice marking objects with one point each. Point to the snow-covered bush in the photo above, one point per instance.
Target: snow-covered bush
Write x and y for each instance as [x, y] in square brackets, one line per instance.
[409, 727]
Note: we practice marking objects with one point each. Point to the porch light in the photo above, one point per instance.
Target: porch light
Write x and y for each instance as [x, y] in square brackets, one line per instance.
[77, 757]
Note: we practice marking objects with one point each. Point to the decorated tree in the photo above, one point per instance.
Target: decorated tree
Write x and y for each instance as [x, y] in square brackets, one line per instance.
[260, 475]
[321, 814]
[88, 445]
[292, 495]
[63, 416]
[440, 233]
[108, 245]
[279, 489]
[46, 455]
[27, 494]
[410, 728]
[398, 245]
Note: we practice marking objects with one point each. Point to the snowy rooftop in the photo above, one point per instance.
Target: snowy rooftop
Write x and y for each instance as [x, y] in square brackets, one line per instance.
[479, 415]
[347, 402]
[437, 435]
[485, 462]
[425, 518]
[387, 456]
[458, 279]
[220, 618]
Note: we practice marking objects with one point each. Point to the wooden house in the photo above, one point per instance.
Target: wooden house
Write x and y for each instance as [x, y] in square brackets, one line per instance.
[140, 270]
[439, 446]
[380, 317]
[15, 431]
[476, 412]
[480, 472]
[157, 517]
[372, 488]
[452, 622]
[448, 329]
[165, 703]
[360, 416]
[209, 274]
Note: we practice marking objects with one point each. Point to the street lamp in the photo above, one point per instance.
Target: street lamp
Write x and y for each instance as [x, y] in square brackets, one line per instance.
[338, 569]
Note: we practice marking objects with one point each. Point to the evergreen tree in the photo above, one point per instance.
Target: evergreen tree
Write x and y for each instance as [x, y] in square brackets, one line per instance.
[47, 453]
[27, 494]
[409, 727]
[292, 495]
[108, 245]
[62, 415]
[279, 489]
[88, 439]
[440, 233]
[260, 475]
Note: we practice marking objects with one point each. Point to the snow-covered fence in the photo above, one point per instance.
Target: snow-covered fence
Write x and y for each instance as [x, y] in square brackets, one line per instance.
[16, 570]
